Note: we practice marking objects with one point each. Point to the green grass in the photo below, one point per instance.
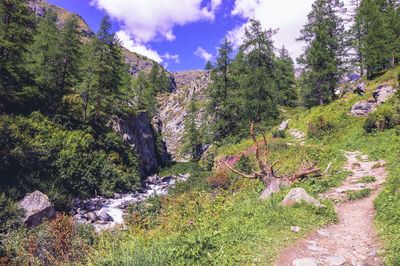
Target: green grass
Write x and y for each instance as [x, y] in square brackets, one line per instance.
[358, 194]
[367, 179]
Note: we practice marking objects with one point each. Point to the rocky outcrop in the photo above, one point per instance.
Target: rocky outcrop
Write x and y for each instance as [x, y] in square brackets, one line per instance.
[383, 93]
[173, 108]
[363, 108]
[37, 208]
[137, 131]
[380, 95]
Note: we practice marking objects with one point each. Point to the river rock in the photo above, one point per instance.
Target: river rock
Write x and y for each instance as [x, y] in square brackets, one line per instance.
[383, 93]
[105, 217]
[154, 179]
[91, 216]
[298, 195]
[37, 207]
[363, 108]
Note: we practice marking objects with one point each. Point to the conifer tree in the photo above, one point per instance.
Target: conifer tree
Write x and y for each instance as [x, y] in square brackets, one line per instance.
[44, 54]
[192, 135]
[285, 78]
[324, 35]
[220, 92]
[104, 71]
[208, 66]
[258, 83]
[69, 54]
[16, 29]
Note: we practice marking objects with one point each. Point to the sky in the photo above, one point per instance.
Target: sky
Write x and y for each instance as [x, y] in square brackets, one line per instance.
[185, 34]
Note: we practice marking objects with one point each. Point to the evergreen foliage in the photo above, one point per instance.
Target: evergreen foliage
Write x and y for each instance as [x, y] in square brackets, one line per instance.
[16, 31]
[324, 35]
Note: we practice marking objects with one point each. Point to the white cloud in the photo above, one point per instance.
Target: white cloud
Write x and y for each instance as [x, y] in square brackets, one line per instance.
[288, 16]
[136, 47]
[203, 54]
[173, 57]
[147, 20]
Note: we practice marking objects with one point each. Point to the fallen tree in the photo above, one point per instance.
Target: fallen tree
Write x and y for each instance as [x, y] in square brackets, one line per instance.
[267, 173]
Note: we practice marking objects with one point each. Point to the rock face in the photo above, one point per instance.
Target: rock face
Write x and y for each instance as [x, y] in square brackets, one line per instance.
[137, 131]
[298, 195]
[174, 108]
[37, 207]
[381, 94]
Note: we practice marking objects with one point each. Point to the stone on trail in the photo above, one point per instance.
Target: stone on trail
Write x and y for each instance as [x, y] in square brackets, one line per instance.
[336, 260]
[298, 195]
[37, 207]
[304, 262]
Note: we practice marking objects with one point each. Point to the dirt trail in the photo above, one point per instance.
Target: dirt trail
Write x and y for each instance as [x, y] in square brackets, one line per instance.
[353, 240]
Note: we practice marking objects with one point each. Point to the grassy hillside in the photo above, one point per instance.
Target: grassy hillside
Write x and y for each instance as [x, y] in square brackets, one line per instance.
[229, 225]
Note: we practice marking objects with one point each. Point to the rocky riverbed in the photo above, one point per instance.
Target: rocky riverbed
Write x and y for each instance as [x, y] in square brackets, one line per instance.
[105, 213]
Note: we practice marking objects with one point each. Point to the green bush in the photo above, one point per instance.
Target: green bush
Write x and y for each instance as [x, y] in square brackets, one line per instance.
[320, 127]
[38, 154]
[279, 134]
[380, 120]
[358, 194]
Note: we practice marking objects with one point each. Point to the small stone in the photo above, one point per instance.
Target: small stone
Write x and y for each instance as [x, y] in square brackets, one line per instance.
[361, 185]
[91, 216]
[284, 125]
[323, 232]
[105, 217]
[295, 229]
[336, 260]
[304, 262]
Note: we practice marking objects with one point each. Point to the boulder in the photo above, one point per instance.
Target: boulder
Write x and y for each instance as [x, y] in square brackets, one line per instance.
[298, 195]
[37, 207]
[363, 108]
[105, 217]
[383, 93]
[154, 179]
[284, 125]
[91, 216]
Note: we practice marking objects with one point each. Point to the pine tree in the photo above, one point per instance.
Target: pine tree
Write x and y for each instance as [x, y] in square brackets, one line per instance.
[16, 30]
[43, 65]
[285, 78]
[322, 60]
[104, 71]
[192, 137]
[69, 55]
[220, 92]
[377, 22]
[158, 78]
[208, 66]
[258, 83]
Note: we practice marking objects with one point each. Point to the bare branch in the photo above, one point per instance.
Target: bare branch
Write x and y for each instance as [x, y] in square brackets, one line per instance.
[254, 176]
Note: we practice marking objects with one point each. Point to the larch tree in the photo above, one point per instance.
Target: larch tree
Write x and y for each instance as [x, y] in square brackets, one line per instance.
[323, 57]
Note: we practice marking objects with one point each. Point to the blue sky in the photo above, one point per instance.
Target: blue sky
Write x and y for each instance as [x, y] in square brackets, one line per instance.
[183, 34]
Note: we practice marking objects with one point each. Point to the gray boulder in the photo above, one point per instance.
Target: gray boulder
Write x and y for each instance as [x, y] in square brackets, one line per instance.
[363, 108]
[91, 216]
[298, 195]
[37, 207]
[383, 93]
[105, 217]
[284, 125]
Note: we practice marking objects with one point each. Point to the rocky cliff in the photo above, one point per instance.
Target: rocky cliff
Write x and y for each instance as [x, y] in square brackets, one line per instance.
[173, 108]
[138, 132]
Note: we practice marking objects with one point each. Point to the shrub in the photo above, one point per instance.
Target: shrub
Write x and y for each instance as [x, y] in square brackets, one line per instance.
[368, 179]
[58, 242]
[219, 180]
[144, 214]
[279, 134]
[381, 120]
[320, 127]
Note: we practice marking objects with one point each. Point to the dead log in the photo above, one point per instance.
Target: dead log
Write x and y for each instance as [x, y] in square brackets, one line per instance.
[267, 174]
